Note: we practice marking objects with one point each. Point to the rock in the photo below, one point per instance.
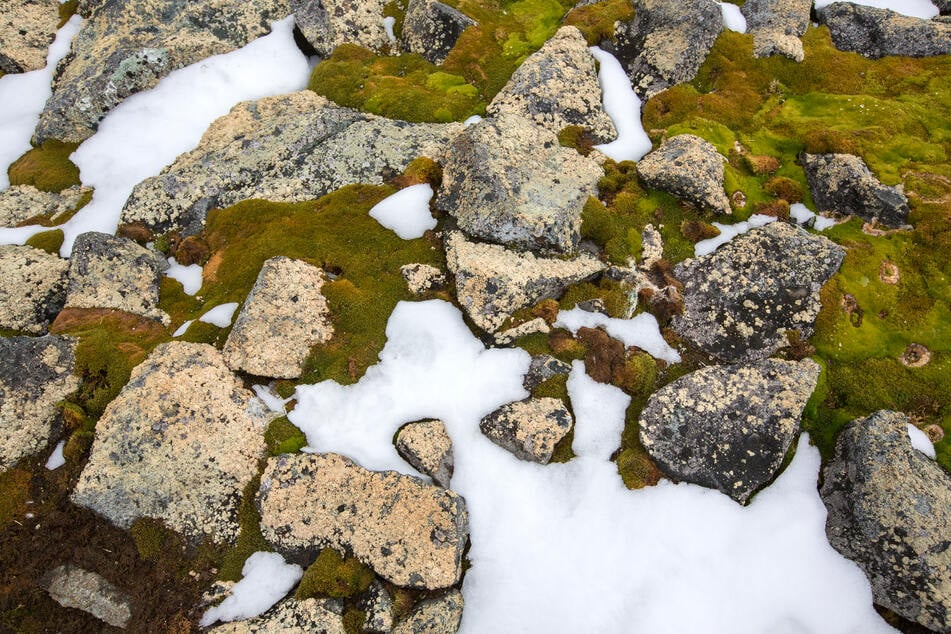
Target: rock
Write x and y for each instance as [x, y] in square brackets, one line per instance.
[410, 533]
[21, 203]
[889, 511]
[311, 616]
[509, 181]
[542, 368]
[493, 282]
[876, 32]
[842, 183]
[689, 168]
[127, 46]
[529, 429]
[304, 147]
[434, 616]
[32, 288]
[432, 28]
[427, 447]
[666, 42]
[27, 28]
[740, 300]
[36, 374]
[74, 587]
[284, 316]
[326, 24]
[776, 26]
[378, 607]
[728, 427]
[530, 327]
[557, 86]
[944, 6]
[421, 278]
[178, 444]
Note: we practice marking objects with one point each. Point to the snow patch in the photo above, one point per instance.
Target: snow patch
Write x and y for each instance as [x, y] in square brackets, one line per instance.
[56, 459]
[183, 328]
[388, 23]
[914, 8]
[728, 232]
[474, 119]
[220, 315]
[189, 276]
[406, 212]
[641, 331]
[921, 442]
[802, 215]
[273, 402]
[733, 18]
[266, 580]
[624, 108]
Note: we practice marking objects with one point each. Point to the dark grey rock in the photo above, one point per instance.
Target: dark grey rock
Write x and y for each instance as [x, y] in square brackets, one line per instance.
[326, 24]
[776, 26]
[32, 288]
[529, 429]
[875, 33]
[432, 28]
[74, 587]
[542, 368]
[890, 512]
[378, 607]
[842, 183]
[427, 446]
[690, 168]
[944, 6]
[441, 615]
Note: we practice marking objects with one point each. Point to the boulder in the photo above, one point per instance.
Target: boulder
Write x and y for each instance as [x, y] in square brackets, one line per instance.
[529, 429]
[689, 168]
[36, 374]
[311, 616]
[432, 28]
[304, 146]
[378, 607]
[889, 511]
[283, 317]
[179, 444]
[410, 533]
[542, 368]
[740, 300]
[127, 46]
[728, 427]
[32, 288]
[875, 33]
[493, 282]
[776, 26]
[21, 203]
[441, 615]
[74, 587]
[27, 28]
[509, 181]
[326, 24]
[427, 446]
[842, 183]
[421, 278]
[557, 86]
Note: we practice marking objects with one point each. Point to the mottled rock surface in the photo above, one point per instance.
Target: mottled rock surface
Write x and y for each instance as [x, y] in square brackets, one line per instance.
[740, 300]
[431, 29]
[326, 24]
[74, 587]
[378, 607]
[542, 368]
[441, 615]
[689, 168]
[422, 277]
[27, 28]
[842, 183]
[509, 181]
[493, 282]
[35, 375]
[311, 616]
[557, 86]
[777, 25]
[32, 288]
[889, 511]
[529, 429]
[427, 446]
[20, 203]
[284, 315]
[875, 33]
[178, 444]
[412, 534]
[728, 427]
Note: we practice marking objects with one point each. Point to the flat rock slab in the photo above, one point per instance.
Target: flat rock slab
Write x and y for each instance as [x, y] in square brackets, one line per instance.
[20, 203]
[283, 317]
[410, 533]
[432, 28]
[777, 25]
[326, 24]
[441, 615]
[875, 33]
[27, 28]
[178, 444]
[426, 445]
[842, 183]
[311, 616]
[690, 168]
[35, 375]
[740, 300]
[529, 429]
[32, 288]
[74, 587]
[890, 512]
[728, 427]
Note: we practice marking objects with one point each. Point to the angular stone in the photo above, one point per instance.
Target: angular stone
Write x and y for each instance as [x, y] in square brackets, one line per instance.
[178, 444]
[410, 533]
[283, 317]
[557, 86]
[875, 33]
[740, 300]
[542, 368]
[378, 607]
[889, 511]
[842, 183]
[427, 446]
[776, 26]
[27, 28]
[20, 203]
[74, 587]
[421, 278]
[689, 168]
[493, 282]
[35, 375]
[326, 24]
[432, 28]
[509, 181]
[728, 427]
[311, 616]
[441, 615]
[529, 429]
[32, 288]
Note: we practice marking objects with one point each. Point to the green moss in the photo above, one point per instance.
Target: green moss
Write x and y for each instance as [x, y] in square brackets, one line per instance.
[14, 492]
[78, 445]
[578, 138]
[331, 575]
[614, 296]
[353, 620]
[283, 437]
[250, 540]
[596, 21]
[154, 540]
[49, 241]
[66, 11]
[47, 167]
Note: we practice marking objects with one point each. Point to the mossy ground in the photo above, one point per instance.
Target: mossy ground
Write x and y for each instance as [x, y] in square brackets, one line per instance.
[46, 167]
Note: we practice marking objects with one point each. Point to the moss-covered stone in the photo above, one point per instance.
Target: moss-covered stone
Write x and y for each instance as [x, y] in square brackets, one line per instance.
[332, 575]
[46, 167]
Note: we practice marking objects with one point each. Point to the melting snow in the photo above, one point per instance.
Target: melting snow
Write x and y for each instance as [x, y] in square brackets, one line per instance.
[189, 276]
[728, 232]
[733, 18]
[273, 402]
[914, 8]
[183, 328]
[220, 315]
[641, 331]
[920, 441]
[406, 212]
[56, 459]
[624, 108]
[802, 214]
[267, 579]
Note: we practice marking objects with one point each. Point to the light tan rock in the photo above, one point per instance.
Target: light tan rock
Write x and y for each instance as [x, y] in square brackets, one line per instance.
[32, 288]
[74, 587]
[776, 26]
[690, 168]
[529, 429]
[441, 615]
[20, 203]
[427, 446]
[422, 277]
[326, 24]
[311, 616]
[27, 28]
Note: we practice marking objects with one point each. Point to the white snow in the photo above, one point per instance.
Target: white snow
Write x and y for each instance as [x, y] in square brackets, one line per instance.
[802, 214]
[914, 8]
[474, 119]
[602, 407]
[220, 315]
[183, 328]
[56, 459]
[641, 331]
[273, 402]
[920, 441]
[266, 580]
[624, 108]
[728, 232]
[189, 276]
[733, 18]
[406, 212]
[388, 23]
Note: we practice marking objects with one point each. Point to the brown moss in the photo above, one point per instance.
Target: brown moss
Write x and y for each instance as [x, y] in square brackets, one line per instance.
[785, 188]
[596, 21]
[604, 354]
[829, 141]
[778, 208]
[135, 231]
[636, 468]
[14, 492]
[192, 250]
[577, 137]
[697, 230]
[761, 164]
[547, 309]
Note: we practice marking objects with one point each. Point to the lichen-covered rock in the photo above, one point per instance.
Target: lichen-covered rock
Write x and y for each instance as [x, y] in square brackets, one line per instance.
[27, 27]
[304, 147]
[284, 315]
[311, 616]
[776, 26]
[875, 33]
[178, 444]
[889, 511]
[326, 24]
[32, 288]
[107, 271]
[441, 615]
[410, 533]
[542, 368]
[689, 168]
[728, 427]
[529, 429]
[36, 373]
[842, 183]
[431, 29]
[509, 181]
[493, 282]
[666, 42]
[422, 277]
[427, 446]
[944, 6]
[74, 587]
[557, 86]
[20, 203]
[740, 300]
[127, 46]
[378, 607]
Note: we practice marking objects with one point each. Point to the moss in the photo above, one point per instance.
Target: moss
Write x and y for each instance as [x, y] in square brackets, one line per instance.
[596, 21]
[250, 540]
[78, 445]
[778, 208]
[785, 188]
[760, 164]
[14, 492]
[578, 138]
[420, 171]
[353, 620]
[613, 295]
[638, 376]
[154, 540]
[332, 575]
[636, 468]
[49, 241]
[697, 230]
[283, 437]
[47, 167]
[66, 11]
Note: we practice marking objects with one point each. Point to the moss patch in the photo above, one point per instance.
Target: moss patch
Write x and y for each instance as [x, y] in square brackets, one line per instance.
[332, 575]
[46, 167]
[14, 492]
[250, 540]
[283, 437]
[49, 241]
[596, 21]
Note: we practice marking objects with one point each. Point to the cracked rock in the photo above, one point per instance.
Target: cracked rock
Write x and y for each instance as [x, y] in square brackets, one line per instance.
[777, 25]
[311, 616]
[74, 587]
[875, 33]
[441, 615]
[432, 28]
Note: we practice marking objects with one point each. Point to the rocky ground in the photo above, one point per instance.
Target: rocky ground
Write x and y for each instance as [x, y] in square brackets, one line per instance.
[154, 436]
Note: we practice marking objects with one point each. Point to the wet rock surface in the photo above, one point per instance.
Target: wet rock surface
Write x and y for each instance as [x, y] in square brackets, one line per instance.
[21, 203]
[326, 24]
[889, 511]
[875, 33]
[427, 446]
[27, 28]
[529, 429]
[442, 615]
[311, 616]
[74, 587]
[842, 183]
[432, 28]
[776, 26]
[689, 168]
[32, 288]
